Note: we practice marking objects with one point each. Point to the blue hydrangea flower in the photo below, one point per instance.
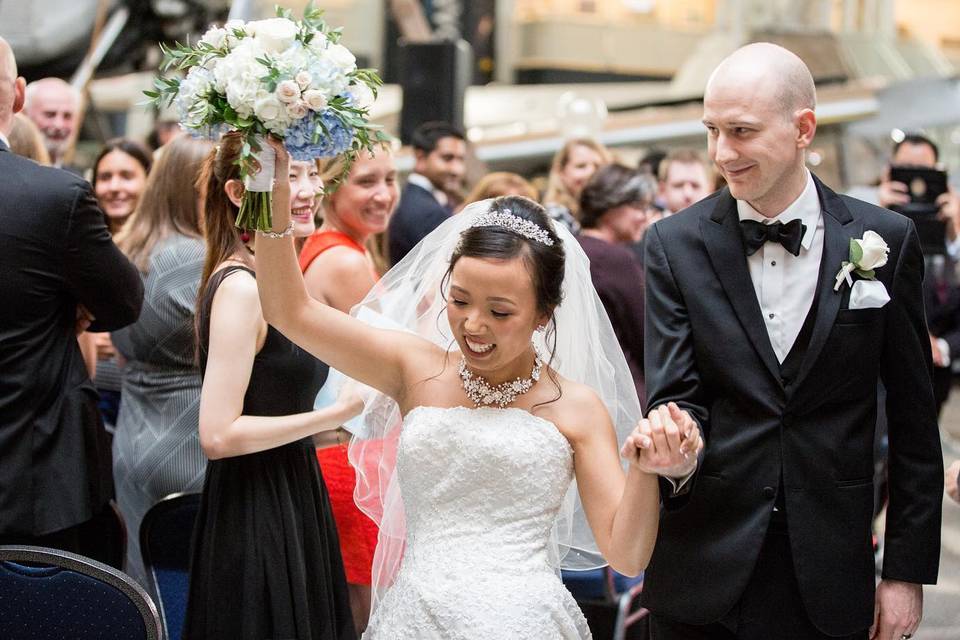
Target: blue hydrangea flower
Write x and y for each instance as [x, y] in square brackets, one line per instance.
[336, 140]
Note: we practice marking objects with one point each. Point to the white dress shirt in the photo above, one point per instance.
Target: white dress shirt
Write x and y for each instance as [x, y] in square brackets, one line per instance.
[423, 182]
[5, 141]
[786, 284]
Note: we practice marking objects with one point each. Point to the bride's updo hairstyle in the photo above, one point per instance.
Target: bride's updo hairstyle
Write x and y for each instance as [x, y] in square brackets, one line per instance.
[543, 262]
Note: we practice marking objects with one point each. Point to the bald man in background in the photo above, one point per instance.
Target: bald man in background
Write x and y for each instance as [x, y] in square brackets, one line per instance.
[53, 105]
[749, 329]
[61, 274]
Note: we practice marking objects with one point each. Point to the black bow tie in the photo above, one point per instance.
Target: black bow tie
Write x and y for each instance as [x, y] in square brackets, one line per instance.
[790, 235]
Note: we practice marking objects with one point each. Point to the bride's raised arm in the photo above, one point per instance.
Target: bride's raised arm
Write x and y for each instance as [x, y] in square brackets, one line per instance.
[373, 356]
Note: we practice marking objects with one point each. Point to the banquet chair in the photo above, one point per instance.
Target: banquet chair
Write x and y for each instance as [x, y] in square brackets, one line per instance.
[165, 535]
[613, 589]
[48, 593]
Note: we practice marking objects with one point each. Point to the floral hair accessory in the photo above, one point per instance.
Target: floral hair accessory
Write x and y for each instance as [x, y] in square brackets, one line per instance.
[508, 220]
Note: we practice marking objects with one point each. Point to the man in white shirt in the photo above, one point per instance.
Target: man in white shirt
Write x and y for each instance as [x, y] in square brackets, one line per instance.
[760, 329]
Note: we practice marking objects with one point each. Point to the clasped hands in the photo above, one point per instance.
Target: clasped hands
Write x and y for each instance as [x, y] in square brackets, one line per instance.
[666, 443]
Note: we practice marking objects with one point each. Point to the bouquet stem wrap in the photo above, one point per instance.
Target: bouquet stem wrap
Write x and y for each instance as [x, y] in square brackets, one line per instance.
[256, 211]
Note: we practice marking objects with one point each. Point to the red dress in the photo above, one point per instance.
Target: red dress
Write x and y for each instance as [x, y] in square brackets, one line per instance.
[358, 533]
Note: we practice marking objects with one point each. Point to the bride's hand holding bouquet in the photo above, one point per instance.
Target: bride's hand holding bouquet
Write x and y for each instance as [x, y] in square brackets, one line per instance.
[282, 77]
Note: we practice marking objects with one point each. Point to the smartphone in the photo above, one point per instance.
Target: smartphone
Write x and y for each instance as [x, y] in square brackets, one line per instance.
[925, 185]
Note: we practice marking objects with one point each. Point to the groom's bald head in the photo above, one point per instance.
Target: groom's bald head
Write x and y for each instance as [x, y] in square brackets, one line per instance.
[777, 71]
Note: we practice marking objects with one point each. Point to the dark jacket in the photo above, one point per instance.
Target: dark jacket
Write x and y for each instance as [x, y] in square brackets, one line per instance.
[416, 216]
[706, 347]
[55, 253]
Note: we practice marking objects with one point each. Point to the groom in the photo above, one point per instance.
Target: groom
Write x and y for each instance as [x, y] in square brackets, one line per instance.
[748, 329]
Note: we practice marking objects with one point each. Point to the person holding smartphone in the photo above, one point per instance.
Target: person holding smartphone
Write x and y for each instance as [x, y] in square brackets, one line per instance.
[920, 152]
[941, 286]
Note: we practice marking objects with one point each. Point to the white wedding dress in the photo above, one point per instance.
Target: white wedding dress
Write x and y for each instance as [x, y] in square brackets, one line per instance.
[481, 490]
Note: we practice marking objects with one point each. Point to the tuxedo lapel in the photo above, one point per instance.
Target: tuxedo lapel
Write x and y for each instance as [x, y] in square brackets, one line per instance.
[839, 226]
[724, 242]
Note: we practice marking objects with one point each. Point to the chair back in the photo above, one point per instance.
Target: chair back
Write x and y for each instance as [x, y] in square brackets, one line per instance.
[165, 536]
[48, 593]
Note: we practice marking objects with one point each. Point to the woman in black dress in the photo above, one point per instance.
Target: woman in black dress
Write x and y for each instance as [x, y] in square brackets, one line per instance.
[266, 561]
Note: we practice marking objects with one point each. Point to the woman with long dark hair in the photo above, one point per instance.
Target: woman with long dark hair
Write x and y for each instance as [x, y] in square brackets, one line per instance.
[266, 561]
[119, 176]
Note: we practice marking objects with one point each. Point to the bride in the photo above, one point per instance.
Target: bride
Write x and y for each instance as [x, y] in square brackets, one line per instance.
[488, 453]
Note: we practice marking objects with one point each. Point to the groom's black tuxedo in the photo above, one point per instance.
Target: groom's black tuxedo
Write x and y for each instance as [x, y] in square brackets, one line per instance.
[808, 423]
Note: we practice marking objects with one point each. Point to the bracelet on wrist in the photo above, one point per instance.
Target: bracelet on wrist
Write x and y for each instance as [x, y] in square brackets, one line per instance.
[276, 235]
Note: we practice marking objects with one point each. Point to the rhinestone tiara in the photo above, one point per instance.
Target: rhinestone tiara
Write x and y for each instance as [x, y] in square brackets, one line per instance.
[508, 220]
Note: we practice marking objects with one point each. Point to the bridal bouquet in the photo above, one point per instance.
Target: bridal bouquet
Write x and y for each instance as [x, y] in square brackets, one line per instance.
[280, 76]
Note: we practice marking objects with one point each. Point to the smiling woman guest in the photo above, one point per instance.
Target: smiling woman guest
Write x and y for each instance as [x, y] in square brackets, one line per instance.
[119, 177]
[570, 170]
[339, 271]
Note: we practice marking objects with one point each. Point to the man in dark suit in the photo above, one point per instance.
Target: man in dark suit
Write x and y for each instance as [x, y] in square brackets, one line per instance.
[59, 264]
[750, 329]
[439, 149]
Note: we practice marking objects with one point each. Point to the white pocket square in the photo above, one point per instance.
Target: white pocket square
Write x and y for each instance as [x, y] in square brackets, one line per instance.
[868, 294]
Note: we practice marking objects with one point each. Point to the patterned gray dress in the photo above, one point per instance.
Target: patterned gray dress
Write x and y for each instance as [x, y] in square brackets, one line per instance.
[156, 447]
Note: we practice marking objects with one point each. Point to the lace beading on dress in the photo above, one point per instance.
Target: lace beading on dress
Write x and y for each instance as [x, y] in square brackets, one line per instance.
[481, 490]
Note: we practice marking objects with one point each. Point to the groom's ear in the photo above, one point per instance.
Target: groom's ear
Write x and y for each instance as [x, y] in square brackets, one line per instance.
[806, 123]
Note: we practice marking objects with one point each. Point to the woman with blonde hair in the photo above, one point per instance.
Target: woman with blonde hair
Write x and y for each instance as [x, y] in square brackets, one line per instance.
[156, 450]
[500, 183]
[339, 270]
[572, 166]
[27, 141]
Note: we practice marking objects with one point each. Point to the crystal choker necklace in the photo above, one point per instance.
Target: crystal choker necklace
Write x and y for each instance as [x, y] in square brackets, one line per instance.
[481, 393]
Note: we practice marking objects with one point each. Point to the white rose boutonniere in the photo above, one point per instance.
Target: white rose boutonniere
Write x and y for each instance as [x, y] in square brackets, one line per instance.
[867, 254]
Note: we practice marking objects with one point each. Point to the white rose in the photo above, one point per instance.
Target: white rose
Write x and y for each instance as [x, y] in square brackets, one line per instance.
[315, 99]
[875, 251]
[214, 37]
[362, 95]
[303, 79]
[275, 34]
[267, 107]
[297, 110]
[342, 57]
[288, 91]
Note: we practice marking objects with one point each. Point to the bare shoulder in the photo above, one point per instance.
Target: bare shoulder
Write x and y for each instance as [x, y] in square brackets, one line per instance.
[340, 259]
[237, 288]
[236, 302]
[577, 412]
